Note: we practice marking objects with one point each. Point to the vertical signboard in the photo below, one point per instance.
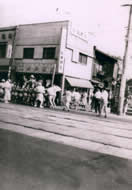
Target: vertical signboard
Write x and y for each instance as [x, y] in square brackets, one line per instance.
[9, 51]
[62, 51]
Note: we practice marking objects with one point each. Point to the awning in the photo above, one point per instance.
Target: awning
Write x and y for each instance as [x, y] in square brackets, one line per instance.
[79, 83]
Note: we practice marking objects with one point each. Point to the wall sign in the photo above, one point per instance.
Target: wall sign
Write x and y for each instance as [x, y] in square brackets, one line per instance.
[34, 67]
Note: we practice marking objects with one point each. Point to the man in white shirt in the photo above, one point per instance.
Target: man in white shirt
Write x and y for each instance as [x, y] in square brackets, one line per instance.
[77, 97]
[98, 102]
[104, 96]
[40, 90]
[68, 96]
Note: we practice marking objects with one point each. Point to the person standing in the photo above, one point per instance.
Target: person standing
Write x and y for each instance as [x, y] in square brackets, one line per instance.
[104, 96]
[2, 88]
[7, 87]
[68, 96]
[39, 95]
[77, 97]
[31, 83]
[98, 101]
[84, 99]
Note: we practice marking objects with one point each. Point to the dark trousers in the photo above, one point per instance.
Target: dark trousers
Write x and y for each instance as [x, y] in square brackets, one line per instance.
[98, 105]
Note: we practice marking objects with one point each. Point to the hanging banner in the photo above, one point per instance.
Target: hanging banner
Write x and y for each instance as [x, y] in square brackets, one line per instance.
[62, 51]
[9, 51]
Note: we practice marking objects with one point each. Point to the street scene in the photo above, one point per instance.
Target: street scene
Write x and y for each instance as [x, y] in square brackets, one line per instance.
[66, 95]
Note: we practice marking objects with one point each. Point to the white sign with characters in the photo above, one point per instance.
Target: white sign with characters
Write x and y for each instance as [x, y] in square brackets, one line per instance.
[9, 51]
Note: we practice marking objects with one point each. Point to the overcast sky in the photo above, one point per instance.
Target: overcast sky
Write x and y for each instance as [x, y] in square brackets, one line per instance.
[107, 19]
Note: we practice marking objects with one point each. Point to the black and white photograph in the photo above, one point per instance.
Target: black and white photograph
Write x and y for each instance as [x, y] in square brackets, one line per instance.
[66, 95]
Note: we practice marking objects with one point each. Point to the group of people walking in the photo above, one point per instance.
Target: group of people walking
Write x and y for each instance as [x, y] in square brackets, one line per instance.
[73, 98]
[100, 101]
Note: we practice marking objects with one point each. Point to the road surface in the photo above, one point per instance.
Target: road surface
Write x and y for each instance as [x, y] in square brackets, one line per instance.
[53, 150]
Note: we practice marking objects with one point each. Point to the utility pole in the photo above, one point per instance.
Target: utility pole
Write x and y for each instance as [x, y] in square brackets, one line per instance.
[124, 74]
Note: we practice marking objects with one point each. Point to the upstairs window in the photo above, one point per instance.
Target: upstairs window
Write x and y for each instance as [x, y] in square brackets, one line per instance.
[48, 53]
[28, 53]
[82, 58]
[3, 47]
[3, 36]
[10, 36]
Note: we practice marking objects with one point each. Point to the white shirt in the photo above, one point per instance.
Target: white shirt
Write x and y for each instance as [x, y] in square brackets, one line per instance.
[40, 89]
[68, 95]
[105, 96]
[76, 95]
[98, 95]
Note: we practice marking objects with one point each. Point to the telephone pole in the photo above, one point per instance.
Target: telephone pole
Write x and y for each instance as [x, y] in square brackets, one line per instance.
[124, 74]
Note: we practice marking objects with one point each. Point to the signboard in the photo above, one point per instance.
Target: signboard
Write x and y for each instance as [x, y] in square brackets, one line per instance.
[62, 51]
[9, 51]
[34, 67]
[79, 34]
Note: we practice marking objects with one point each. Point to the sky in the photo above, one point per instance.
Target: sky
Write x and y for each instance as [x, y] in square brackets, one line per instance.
[105, 20]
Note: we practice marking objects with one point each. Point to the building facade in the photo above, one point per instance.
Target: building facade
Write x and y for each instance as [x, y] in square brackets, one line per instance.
[7, 39]
[106, 67]
[47, 48]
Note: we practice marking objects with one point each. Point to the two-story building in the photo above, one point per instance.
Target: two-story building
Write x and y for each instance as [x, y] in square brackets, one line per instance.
[105, 67]
[7, 38]
[43, 48]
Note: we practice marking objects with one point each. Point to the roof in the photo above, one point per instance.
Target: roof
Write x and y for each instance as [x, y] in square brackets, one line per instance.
[8, 28]
[107, 54]
[49, 22]
[14, 27]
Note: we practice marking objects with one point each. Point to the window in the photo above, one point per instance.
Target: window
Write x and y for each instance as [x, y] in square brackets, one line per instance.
[10, 36]
[3, 50]
[28, 53]
[48, 53]
[82, 58]
[3, 36]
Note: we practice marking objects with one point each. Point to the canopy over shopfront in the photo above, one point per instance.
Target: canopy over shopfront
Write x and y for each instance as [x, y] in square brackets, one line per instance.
[80, 83]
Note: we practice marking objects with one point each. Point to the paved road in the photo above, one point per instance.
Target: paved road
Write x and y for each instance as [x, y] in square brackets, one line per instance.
[111, 136]
[48, 162]
[28, 163]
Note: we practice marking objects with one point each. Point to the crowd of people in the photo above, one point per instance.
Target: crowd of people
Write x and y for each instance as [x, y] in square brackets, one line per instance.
[33, 92]
[73, 99]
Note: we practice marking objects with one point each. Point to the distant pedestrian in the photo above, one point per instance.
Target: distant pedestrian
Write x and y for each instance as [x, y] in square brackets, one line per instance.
[40, 90]
[77, 97]
[67, 101]
[7, 89]
[104, 97]
[125, 105]
[52, 91]
[98, 101]
[2, 88]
